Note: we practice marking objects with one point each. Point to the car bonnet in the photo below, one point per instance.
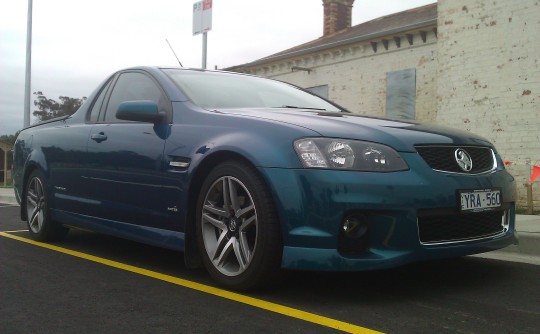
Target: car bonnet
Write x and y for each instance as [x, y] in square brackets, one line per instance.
[401, 135]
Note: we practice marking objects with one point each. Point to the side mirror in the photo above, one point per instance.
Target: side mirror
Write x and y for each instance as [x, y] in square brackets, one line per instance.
[139, 111]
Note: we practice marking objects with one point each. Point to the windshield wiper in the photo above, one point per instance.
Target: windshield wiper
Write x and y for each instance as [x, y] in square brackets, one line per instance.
[296, 107]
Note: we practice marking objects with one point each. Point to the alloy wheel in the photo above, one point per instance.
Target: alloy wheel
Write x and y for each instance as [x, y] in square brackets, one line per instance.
[229, 226]
[35, 205]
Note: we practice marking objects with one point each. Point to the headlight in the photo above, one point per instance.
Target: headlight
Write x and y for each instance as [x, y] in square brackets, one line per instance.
[331, 153]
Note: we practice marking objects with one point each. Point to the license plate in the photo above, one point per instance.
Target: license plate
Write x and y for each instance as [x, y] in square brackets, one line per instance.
[477, 200]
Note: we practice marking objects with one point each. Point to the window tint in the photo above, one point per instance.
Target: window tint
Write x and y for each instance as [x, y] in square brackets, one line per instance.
[133, 86]
[94, 113]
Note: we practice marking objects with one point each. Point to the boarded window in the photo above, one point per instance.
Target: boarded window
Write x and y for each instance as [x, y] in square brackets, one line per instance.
[322, 91]
[401, 94]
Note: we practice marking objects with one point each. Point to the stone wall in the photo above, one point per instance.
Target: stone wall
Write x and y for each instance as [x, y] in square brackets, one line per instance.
[488, 78]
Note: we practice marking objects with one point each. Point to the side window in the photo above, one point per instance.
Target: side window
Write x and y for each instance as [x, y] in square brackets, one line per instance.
[322, 90]
[94, 113]
[133, 86]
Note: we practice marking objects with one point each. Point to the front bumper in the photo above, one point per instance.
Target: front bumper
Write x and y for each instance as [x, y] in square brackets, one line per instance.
[313, 204]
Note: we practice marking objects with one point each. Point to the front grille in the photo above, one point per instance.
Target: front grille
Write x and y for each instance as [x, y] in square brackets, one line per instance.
[442, 158]
[460, 227]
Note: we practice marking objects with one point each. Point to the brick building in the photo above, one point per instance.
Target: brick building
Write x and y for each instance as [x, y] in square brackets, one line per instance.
[469, 64]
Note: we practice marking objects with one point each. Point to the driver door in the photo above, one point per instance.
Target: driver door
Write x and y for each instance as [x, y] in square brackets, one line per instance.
[126, 176]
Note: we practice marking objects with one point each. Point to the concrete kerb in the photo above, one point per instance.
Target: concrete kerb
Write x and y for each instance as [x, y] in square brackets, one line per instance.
[528, 227]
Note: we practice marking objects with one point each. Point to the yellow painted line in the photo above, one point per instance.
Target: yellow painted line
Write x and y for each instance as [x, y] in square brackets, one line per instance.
[259, 303]
[16, 231]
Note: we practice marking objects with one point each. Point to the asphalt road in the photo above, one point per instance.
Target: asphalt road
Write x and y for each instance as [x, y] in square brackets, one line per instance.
[49, 291]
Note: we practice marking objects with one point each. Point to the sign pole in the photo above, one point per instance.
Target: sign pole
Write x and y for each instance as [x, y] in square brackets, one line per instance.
[28, 73]
[204, 46]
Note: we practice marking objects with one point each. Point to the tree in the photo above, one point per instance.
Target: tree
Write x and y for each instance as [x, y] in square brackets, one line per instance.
[49, 108]
[9, 139]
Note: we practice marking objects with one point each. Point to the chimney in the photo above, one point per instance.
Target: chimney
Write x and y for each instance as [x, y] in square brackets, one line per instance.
[337, 15]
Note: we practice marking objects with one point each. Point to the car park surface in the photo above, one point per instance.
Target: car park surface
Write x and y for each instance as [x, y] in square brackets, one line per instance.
[66, 293]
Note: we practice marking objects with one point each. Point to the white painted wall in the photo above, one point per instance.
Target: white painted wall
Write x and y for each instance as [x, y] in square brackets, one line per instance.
[356, 76]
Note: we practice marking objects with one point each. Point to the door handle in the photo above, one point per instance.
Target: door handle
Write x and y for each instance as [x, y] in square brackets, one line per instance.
[98, 137]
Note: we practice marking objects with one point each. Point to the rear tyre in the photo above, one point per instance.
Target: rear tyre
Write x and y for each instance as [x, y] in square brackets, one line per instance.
[237, 228]
[38, 219]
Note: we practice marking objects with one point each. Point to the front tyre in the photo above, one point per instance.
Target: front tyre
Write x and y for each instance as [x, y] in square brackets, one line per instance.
[237, 227]
[38, 219]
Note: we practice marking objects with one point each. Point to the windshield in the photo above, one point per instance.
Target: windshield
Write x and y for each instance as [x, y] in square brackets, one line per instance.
[216, 90]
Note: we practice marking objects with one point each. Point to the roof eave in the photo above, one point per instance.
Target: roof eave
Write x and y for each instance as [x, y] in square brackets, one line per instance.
[339, 43]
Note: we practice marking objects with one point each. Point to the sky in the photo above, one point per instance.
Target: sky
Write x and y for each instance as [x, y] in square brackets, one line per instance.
[77, 44]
